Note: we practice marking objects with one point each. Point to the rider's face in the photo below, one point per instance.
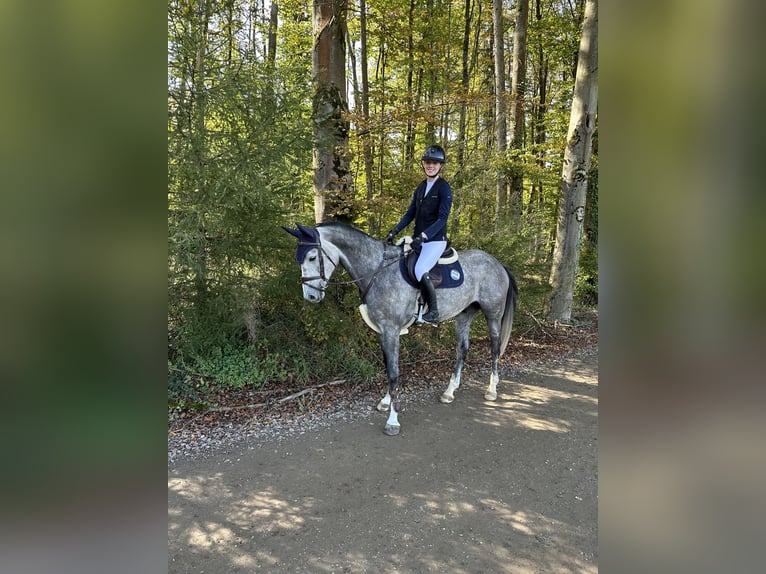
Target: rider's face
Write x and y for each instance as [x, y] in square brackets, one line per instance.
[431, 168]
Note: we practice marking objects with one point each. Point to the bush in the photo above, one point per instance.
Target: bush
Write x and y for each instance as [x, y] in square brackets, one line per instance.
[278, 337]
[586, 285]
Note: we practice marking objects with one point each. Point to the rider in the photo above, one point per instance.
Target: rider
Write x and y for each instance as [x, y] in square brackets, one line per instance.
[430, 208]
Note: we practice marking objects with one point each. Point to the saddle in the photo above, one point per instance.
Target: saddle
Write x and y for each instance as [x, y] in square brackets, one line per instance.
[446, 273]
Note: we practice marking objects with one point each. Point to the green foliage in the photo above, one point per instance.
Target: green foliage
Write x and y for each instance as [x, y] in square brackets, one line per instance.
[239, 367]
[239, 142]
[586, 284]
[192, 377]
[185, 392]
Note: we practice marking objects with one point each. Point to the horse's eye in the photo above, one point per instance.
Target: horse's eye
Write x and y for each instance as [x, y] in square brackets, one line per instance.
[312, 258]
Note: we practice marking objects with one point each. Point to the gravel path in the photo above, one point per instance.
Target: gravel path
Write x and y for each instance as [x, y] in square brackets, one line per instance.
[359, 403]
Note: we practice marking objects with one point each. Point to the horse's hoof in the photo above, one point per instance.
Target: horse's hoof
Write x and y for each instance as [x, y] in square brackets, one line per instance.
[383, 407]
[446, 399]
[391, 430]
[490, 396]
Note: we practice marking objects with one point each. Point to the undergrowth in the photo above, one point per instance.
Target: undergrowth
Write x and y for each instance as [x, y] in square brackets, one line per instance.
[276, 338]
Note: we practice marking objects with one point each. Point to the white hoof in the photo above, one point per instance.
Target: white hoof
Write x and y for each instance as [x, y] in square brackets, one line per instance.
[392, 430]
[445, 398]
[490, 396]
[383, 407]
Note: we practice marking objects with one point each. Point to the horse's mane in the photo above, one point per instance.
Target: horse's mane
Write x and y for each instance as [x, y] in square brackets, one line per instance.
[341, 225]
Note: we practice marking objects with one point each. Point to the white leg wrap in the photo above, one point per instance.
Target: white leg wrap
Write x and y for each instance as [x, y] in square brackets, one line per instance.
[393, 418]
[384, 403]
[449, 394]
[491, 393]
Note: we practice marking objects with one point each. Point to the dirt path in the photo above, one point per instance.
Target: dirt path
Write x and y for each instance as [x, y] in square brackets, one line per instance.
[471, 487]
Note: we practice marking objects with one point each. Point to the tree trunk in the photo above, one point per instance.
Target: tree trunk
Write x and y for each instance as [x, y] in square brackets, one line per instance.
[366, 145]
[464, 84]
[577, 156]
[199, 145]
[501, 129]
[332, 177]
[536, 204]
[518, 86]
[409, 138]
[273, 24]
[380, 79]
[429, 80]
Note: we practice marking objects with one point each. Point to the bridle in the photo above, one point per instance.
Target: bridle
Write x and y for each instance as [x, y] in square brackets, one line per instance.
[322, 253]
[318, 245]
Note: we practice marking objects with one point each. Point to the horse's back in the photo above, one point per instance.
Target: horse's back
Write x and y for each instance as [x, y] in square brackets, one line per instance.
[480, 266]
[486, 281]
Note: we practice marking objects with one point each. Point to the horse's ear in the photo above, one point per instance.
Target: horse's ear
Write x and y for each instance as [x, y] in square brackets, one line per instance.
[306, 230]
[292, 232]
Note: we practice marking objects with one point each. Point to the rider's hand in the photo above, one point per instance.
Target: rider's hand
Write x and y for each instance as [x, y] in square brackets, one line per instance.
[416, 243]
[390, 236]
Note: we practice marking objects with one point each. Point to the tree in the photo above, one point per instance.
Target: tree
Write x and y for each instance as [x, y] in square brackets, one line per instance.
[332, 175]
[501, 131]
[464, 85]
[365, 97]
[273, 24]
[518, 86]
[577, 158]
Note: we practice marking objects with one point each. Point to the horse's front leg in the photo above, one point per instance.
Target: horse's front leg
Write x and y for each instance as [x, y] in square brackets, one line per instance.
[385, 403]
[390, 344]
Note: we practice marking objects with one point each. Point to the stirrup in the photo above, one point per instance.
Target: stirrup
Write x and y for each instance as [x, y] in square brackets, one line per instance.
[420, 316]
[429, 317]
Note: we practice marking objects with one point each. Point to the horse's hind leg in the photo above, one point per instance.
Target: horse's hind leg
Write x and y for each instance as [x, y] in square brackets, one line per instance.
[462, 330]
[494, 341]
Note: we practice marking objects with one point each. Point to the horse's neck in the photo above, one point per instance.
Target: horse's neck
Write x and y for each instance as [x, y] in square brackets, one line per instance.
[359, 254]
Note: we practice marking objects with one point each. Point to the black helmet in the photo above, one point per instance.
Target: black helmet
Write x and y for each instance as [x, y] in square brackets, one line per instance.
[434, 153]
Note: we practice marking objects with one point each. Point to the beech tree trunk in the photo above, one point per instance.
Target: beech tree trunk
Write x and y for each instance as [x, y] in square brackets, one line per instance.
[332, 177]
[574, 184]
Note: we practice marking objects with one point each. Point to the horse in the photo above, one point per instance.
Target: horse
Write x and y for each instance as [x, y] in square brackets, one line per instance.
[390, 302]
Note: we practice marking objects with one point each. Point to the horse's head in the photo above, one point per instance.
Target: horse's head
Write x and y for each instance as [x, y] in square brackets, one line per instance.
[316, 264]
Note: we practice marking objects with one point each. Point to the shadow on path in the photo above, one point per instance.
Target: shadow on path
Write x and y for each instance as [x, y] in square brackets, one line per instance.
[470, 487]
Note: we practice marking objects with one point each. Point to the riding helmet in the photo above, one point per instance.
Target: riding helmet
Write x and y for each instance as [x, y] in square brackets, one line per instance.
[434, 153]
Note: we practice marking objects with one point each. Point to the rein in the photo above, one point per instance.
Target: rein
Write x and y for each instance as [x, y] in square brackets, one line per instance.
[363, 293]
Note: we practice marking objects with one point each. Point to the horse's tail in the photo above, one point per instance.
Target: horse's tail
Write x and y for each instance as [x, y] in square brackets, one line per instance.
[510, 308]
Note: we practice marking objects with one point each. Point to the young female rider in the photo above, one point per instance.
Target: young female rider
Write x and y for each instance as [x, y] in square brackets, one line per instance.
[430, 208]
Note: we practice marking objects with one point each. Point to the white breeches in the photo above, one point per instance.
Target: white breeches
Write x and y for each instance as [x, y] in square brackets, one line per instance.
[429, 255]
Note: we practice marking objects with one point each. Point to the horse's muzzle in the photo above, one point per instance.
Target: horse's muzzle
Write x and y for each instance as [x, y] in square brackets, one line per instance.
[312, 294]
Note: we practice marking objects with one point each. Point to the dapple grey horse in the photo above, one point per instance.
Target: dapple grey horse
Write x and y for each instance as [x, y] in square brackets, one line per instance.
[389, 302]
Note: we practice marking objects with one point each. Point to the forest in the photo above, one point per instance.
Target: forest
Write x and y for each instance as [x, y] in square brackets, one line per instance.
[298, 112]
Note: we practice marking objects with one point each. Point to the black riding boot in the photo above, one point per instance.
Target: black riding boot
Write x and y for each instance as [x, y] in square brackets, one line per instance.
[429, 294]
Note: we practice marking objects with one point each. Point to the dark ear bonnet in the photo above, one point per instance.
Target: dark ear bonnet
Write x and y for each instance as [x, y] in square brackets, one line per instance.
[308, 239]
